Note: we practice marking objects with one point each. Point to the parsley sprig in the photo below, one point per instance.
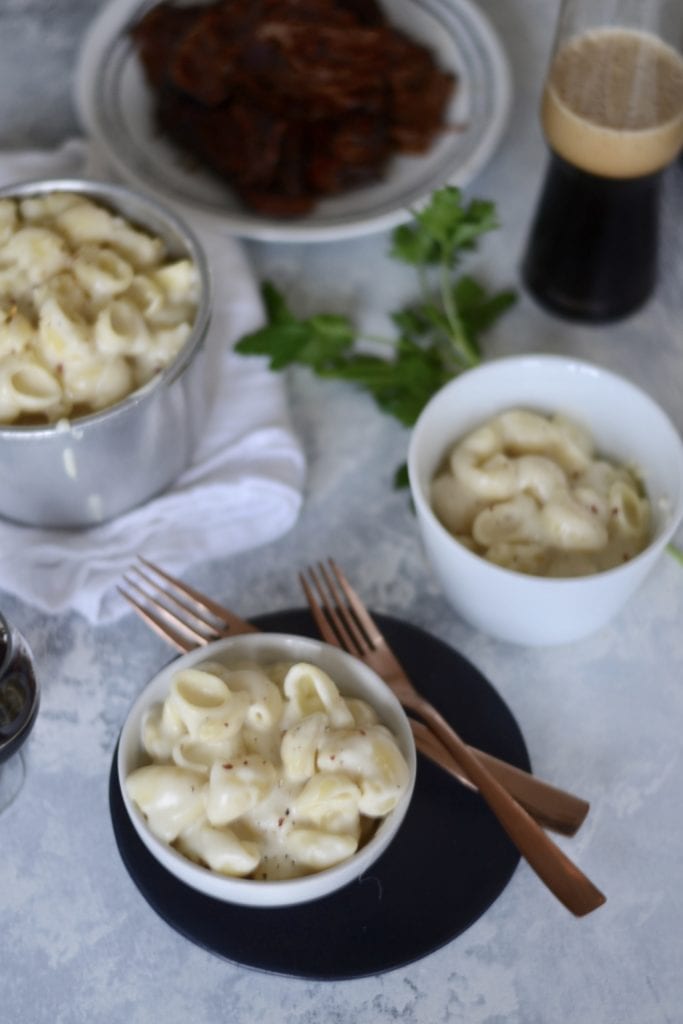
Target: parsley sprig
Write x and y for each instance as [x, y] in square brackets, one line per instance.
[676, 552]
[437, 335]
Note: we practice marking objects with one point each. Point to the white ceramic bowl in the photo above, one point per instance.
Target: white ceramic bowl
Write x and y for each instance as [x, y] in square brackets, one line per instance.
[353, 679]
[626, 424]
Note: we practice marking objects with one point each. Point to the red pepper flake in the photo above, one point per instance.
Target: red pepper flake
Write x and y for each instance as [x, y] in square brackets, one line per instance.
[362, 732]
[594, 509]
[280, 822]
[228, 765]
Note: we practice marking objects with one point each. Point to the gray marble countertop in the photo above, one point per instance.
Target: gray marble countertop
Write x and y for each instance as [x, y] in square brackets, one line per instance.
[603, 717]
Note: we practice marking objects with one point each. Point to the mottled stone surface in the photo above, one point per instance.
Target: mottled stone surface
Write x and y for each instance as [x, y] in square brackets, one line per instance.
[77, 941]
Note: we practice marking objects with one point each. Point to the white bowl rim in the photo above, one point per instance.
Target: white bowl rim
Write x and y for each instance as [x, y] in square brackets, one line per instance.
[259, 892]
[530, 362]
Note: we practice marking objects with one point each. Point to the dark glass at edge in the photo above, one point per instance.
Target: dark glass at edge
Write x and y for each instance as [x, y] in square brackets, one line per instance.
[592, 250]
[19, 692]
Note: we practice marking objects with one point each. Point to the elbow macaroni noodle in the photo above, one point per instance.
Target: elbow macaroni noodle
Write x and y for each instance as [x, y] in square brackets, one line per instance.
[91, 307]
[528, 492]
[265, 772]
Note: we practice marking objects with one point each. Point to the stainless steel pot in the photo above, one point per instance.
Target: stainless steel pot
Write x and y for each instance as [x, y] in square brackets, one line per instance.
[93, 468]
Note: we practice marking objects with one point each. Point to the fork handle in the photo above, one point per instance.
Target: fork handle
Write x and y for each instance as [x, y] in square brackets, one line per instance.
[552, 808]
[552, 866]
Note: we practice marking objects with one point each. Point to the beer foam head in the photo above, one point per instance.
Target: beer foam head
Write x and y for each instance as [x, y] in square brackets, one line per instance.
[613, 102]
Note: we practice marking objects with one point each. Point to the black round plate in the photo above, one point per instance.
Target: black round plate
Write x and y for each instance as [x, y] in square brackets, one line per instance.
[447, 865]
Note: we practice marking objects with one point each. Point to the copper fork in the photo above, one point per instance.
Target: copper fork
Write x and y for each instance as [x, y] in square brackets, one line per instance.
[176, 611]
[343, 619]
[187, 618]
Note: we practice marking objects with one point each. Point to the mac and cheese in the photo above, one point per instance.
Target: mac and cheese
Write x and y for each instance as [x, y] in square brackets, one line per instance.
[91, 307]
[528, 492]
[266, 772]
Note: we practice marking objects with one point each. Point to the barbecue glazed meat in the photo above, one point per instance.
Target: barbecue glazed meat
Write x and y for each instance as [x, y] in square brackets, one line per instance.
[290, 100]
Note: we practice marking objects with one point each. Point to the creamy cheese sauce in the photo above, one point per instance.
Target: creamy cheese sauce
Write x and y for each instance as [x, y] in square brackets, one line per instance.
[528, 492]
[267, 773]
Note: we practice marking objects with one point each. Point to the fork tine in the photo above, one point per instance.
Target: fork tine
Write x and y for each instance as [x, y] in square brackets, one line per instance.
[192, 626]
[164, 630]
[168, 614]
[331, 618]
[177, 601]
[324, 628]
[353, 634]
[201, 631]
[220, 611]
[359, 610]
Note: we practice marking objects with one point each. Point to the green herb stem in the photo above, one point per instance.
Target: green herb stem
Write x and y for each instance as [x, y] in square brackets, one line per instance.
[676, 552]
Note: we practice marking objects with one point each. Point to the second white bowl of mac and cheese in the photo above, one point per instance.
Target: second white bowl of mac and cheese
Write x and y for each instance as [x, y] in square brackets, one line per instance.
[266, 769]
[546, 489]
[104, 303]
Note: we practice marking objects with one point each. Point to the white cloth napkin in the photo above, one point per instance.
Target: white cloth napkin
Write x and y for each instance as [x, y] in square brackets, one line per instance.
[243, 488]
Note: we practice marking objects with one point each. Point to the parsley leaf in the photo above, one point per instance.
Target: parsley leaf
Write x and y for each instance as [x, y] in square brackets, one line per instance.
[676, 552]
[443, 229]
[401, 386]
[438, 334]
[315, 342]
[477, 309]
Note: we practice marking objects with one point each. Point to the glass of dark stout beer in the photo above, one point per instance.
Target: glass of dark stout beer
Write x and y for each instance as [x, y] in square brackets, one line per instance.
[19, 699]
[612, 114]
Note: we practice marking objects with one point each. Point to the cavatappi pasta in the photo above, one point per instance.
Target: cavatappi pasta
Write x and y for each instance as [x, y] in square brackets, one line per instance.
[91, 307]
[528, 492]
[265, 772]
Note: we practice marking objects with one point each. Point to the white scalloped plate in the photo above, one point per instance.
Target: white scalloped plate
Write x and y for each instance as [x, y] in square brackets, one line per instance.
[115, 106]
